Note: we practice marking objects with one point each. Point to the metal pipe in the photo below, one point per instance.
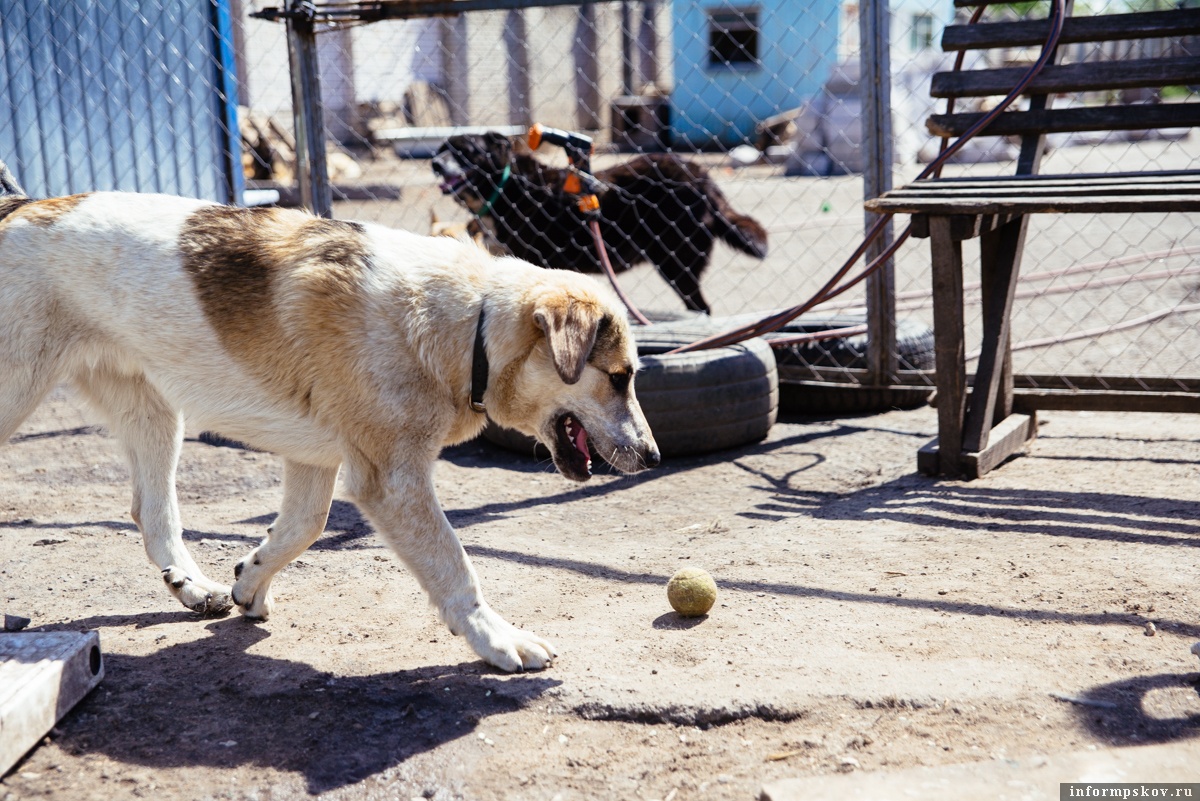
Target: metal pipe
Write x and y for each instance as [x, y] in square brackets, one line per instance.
[878, 156]
[307, 112]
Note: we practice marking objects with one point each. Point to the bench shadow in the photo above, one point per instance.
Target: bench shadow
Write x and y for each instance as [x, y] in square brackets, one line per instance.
[214, 703]
[1141, 710]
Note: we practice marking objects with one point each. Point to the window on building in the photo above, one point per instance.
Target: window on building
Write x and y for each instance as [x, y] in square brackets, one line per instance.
[922, 32]
[733, 37]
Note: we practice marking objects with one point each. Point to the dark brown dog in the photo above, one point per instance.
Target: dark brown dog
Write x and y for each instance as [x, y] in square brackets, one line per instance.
[657, 208]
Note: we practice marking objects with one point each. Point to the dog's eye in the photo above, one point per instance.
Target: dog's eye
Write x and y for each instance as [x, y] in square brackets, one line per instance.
[620, 381]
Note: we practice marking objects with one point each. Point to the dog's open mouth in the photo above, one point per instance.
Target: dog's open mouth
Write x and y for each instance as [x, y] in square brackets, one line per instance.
[572, 447]
[451, 183]
[453, 176]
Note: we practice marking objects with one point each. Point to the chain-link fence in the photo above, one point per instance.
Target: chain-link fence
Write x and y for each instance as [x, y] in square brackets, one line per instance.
[764, 97]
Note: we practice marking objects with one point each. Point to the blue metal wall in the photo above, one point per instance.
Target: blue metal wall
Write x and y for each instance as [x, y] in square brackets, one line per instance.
[720, 105]
[134, 95]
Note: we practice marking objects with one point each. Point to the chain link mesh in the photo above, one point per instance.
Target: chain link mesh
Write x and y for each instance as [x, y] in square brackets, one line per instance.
[763, 95]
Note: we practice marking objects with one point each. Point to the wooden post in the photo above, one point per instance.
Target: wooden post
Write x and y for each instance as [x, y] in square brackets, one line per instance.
[626, 48]
[991, 396]
[307, 113]
[335, 50]
[878, 156]
[949, 348]
[454, 69]
[516, 46]
[587, 69]
[647, 41]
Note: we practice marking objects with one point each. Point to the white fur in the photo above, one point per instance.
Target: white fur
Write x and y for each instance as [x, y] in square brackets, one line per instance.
[100, 297]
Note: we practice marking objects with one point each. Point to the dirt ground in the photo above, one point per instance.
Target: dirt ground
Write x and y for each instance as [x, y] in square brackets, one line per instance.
[869, 619]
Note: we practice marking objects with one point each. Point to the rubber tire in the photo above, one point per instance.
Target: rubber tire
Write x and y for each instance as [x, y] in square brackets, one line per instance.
[914, 346]
[695, 403]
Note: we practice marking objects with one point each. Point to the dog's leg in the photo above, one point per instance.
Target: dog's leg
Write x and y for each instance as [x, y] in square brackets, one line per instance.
[152, 433]
[404, 510]
[683, 274]
[307, 493]
[20, 393]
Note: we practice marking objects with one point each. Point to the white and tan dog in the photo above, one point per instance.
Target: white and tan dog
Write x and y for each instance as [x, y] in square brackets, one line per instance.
[329, 343]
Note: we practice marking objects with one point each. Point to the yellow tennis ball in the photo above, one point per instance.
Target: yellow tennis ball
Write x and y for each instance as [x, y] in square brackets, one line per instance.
[692, 592]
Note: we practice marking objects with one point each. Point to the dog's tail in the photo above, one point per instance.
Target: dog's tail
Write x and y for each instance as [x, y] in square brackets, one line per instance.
[8, 183]
[740, 231]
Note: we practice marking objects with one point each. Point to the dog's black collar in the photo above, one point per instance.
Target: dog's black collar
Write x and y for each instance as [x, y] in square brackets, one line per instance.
[486, 208]
[479, 368]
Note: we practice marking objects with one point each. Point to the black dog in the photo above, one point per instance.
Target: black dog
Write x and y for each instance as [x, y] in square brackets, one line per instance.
[656, 208]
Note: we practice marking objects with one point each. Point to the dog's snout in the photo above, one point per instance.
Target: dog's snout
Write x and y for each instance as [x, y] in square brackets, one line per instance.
[445, 165]
[653, 458]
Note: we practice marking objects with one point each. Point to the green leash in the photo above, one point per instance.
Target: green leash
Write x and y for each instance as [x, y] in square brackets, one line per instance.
[487, 207]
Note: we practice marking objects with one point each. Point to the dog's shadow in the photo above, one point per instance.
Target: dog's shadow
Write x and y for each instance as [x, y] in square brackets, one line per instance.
[213, 703]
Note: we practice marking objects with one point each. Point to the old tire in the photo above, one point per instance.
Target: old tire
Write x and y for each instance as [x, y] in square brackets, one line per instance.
[694, 402]
[914, 346]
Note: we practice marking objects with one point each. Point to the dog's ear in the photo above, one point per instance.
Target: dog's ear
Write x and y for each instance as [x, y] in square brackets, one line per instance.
[570, 325]
[498, 145]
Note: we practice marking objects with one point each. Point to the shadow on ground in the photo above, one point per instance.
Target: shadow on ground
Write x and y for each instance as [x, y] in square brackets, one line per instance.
[211, 703]
[1141, 710]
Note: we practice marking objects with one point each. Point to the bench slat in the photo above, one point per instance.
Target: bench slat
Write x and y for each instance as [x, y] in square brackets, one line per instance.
[1038, 204]
[915, 191]
[1073, 179]
[1083, 77]
[952, 188]
[1068, 120]
[1103, 28]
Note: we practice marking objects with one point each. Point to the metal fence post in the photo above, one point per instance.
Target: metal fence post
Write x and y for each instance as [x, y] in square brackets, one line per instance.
[878, 156]
[307, 112]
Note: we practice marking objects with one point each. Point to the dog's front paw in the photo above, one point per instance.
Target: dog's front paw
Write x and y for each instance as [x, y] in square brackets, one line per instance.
[198, 594]
[504, 645]
[251, 593]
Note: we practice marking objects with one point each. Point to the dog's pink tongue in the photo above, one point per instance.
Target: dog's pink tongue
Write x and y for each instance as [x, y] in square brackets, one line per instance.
[581, 442]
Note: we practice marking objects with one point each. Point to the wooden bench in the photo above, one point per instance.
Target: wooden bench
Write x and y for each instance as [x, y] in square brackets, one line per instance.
[982, 423]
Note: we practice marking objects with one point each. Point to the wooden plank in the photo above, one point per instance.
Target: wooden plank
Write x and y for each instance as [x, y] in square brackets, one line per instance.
[1068, 120]
[1185, 177]
[924, 189]
[949, 347]
[1027, 400]
[1102, 28]
[962, 227]
[1081, 77]
[1107, 383]
[1034, 205]
[42, 676]
[1000, 262]
[1007, 439]
[915, 390]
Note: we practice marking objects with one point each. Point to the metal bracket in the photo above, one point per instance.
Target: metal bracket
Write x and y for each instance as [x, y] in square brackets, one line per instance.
[295, 10]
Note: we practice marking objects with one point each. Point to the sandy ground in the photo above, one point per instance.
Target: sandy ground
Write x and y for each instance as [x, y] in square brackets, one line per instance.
[870, 619]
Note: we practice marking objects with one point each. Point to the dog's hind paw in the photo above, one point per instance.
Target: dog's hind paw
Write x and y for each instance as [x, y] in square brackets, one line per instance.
[200, 595]
[504, 645]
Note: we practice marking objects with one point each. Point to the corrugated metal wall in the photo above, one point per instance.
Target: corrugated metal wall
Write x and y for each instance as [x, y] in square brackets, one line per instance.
[133, 95]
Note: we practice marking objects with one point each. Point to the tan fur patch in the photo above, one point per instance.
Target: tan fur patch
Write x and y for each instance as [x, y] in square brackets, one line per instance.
[9, 205]
[611, 351]
[242, 260]
[571, 324]
[47, 212]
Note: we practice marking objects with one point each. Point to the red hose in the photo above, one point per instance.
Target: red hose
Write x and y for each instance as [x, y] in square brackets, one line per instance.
[612, 274]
